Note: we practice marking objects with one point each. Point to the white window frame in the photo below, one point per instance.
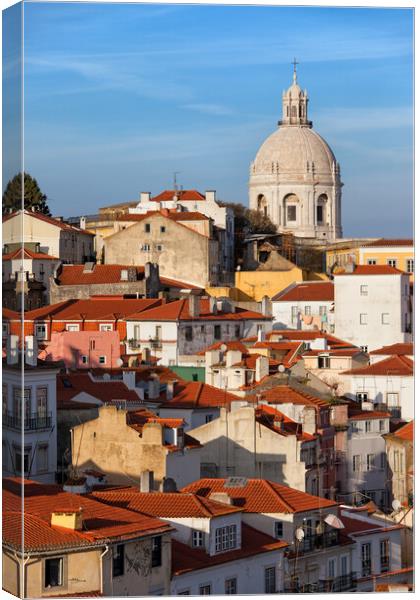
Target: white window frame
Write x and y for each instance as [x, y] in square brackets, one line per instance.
[197, 538]
[391, 262]
[385, 319]
[362, 396]
[44, 467]
[364, 290]
[410, 265]
[72, 327]
[363, 319]
[370, 462]
[371, 261]
[105, 326]
[226, 538]
[41, 331]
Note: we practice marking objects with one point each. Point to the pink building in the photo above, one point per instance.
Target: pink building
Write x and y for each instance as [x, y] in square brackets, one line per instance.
[84, 349]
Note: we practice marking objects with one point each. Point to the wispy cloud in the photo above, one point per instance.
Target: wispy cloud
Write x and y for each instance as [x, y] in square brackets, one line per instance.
[343, 120]
[217, 110]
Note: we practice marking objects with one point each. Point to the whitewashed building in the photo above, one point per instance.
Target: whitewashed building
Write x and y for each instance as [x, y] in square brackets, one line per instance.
[182, 328]
[372, 306]
[29, 408]
[387, 385]
[306, 305]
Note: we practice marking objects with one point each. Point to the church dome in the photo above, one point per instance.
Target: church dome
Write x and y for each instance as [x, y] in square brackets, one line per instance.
[293, 153]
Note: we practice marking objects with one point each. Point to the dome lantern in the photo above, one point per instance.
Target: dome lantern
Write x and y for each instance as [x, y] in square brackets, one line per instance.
[295, 104]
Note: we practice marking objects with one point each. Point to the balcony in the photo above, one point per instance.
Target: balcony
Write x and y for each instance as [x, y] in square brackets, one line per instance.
[366, 568]
[343, 583]
[134, 344]
[319, 541]
[32, 422]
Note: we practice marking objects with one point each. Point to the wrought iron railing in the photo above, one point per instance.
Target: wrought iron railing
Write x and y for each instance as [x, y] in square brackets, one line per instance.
[318, 541]
[32, 422]
[342, 583]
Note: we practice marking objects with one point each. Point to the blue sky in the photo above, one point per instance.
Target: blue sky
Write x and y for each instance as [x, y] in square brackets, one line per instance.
[118, 97]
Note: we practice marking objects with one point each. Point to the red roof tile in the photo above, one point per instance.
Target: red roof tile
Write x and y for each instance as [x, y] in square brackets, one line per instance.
[183, 195]
[394, 365]
[186, 559]
[372, 270]
[177, 216]
[334, 352]
[310, 291]
[261, 496]
[179, 311]
[26, 253]
[50, 220]
[165, 505]
[361, 415]
[284, 394]
[100, 522]
[279, 423]
[295, 334]
[396, 349]
[75, 274]
[195, 394]
[357, 527]
[104, 307]
[406, 432]
[389, 242]
[290, 350]
[72, 384]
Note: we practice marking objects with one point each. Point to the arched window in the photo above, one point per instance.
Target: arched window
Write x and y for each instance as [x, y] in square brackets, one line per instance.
[293, 111]
[262, 204]
[291, 203]
[321, 209]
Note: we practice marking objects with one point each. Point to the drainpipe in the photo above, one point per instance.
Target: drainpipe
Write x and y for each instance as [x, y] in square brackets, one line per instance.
[101, 568]
[22, 577]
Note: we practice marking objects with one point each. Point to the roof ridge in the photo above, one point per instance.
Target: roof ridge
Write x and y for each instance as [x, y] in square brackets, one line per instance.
[270, 486]
[199, 501]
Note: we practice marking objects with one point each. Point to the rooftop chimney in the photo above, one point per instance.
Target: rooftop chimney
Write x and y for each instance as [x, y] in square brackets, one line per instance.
[222, 497]
[145, 197]
[82, 222]
[194, 306]
[129, 378]
[68, 518]
[212, 305]
[266, 307]
[170, 388]
[211, 195]
[12, 349]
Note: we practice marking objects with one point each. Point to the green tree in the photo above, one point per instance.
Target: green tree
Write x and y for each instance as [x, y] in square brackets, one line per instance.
[34, 199]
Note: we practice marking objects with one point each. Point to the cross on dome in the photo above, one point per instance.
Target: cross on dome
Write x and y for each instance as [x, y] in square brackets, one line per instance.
[294, 63]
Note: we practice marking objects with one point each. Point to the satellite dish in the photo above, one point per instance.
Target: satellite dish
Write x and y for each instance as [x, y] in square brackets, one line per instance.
[119, 362]
[396, 505]
[281, 368]
[299, 534]
[223, 347]
[334, 521]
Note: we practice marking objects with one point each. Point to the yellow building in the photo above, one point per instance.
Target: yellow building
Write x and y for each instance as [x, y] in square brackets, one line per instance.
[397, 253]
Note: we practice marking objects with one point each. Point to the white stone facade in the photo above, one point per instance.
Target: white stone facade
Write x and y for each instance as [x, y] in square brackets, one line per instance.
[295, 178]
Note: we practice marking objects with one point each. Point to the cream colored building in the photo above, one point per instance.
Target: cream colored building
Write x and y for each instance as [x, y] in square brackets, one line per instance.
[262, 442]
[295, 177]
[52, 236]
[184, 250]
[123, 444]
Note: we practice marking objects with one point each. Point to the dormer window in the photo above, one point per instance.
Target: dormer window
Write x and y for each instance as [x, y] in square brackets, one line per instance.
[226, 538]
[323, 362]
[197, 539]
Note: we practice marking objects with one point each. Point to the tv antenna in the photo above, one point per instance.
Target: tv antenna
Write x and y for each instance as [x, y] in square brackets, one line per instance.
[175, 181]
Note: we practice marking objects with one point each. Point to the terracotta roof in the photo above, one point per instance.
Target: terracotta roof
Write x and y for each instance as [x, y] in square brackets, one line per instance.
[394, 365]
[398, 349]
[195, 394]
[290, 350]
[186, 559]
[101, 523]
[284, 394]
[295, 334]
[183, 195]
[11, 314]
[357, 527]
[390, 242]
[50, 220]
[372, 270]
[104, 307]
[368, 415]
[334, 352]
[173, 215]
[74, 383]
[261, 496]
[25, 253]
[310, 291]
[139, 418]
[179, 311]
[279, 423]
[75, 274]
[230, 345]
[165, 505]
[406, 432]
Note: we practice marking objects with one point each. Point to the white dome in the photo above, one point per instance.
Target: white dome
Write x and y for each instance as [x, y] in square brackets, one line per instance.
[293, 152]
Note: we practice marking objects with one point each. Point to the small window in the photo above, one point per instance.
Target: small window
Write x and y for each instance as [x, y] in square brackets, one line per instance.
[381, 425]
[270, 580]
[105, 327]
[278, 529]
[209, 418]
[410, 265]
[217, 332]
[384, 552]
[391, 262]
[162, 229]
[385, 318]
[72, 327]
[291, 213]
[362, 396]
[322, 311]
[356, 463]
[364, 348]
[320, 214]
[118, 560]
[237, 331]
[370, 462]
[41, 331]
[307, 310]
[295, 312]
[84, 359]
[195, 377]
[371, 261]
[157, 551]
[363, 290]
[189, 333]
[147, 228]
[159, 247]
[231, 586]
[324, 362]
[368, 426]
[42, 458]
[205, 590]
[383, 460]
[102, 360]
[53, 572]
[363, 318]
[145, 247]
[197, 539]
